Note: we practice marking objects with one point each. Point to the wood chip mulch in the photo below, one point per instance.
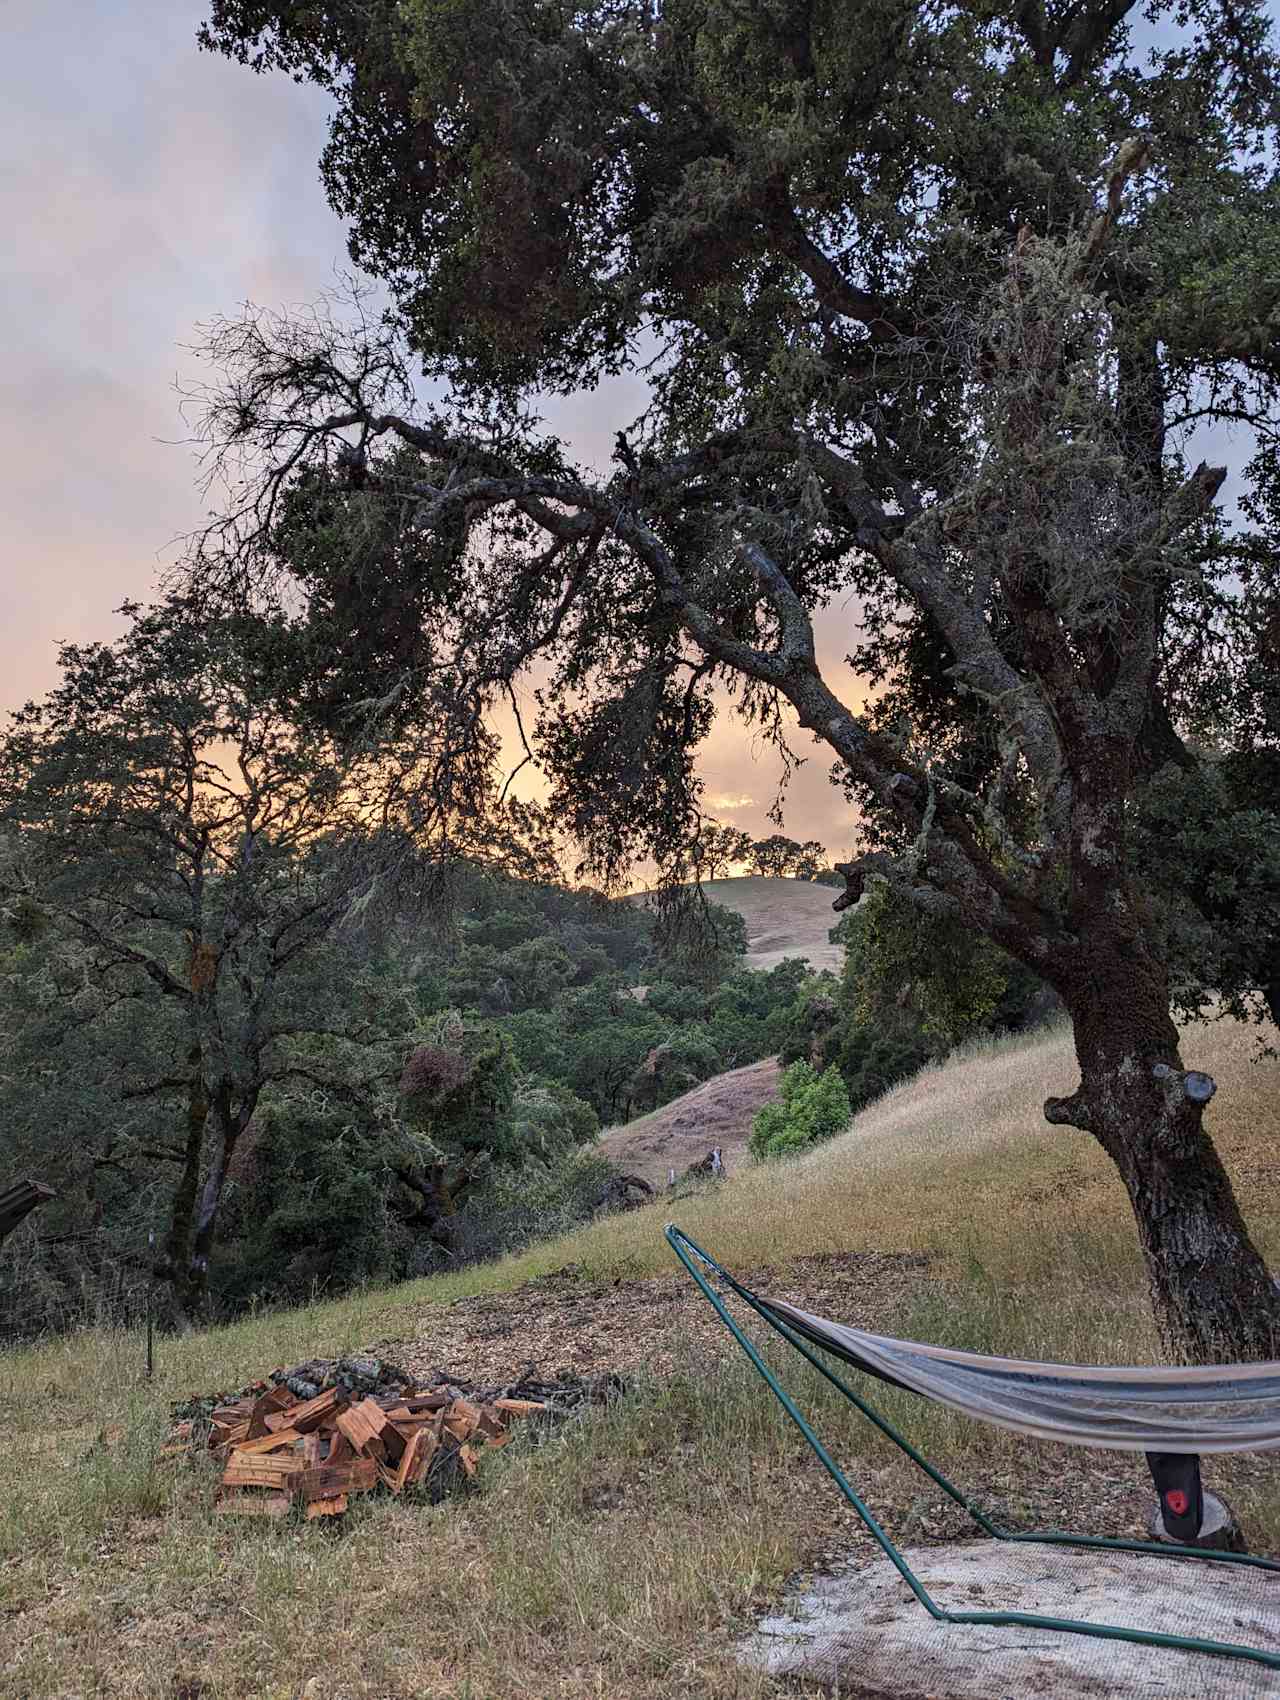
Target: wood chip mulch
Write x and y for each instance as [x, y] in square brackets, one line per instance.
[567, 1323]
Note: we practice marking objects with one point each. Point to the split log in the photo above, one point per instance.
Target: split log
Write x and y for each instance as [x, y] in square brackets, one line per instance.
[312, 1413]
[282, 1448]
[278, 1399]
[328, 1480]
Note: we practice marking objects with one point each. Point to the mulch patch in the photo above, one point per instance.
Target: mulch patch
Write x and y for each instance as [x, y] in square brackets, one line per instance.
[574, 1324]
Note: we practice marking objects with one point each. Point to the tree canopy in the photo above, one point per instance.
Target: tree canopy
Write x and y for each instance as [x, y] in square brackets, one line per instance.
[194, 852]
[929, 301]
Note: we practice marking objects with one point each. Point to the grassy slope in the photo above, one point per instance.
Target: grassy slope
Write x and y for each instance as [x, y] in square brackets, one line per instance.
[621, 1559]
[719, 1112]
[784, 918]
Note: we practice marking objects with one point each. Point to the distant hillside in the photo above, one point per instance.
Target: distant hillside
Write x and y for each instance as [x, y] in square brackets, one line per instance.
[719, 1112]
[784, 918]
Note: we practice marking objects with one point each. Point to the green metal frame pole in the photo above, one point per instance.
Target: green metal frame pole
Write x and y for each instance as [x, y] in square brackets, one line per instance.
[678, 1241]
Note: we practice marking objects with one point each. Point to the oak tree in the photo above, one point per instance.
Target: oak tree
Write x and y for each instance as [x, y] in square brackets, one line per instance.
[196, 851]
[928, 300]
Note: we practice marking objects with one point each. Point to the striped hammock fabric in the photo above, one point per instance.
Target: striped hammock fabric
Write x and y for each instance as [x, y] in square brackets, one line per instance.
[1223, 1408]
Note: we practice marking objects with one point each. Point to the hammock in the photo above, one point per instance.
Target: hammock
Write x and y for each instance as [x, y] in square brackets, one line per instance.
[1233, 1408]
[1171, 1414]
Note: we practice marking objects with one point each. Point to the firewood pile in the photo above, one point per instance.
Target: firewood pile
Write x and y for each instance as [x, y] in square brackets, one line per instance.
[314, 1436]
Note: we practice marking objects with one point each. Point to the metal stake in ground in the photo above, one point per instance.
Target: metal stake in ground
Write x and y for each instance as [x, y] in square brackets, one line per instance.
[151, 1282]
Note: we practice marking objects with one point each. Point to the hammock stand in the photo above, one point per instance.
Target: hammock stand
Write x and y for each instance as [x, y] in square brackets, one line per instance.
[686, 1250]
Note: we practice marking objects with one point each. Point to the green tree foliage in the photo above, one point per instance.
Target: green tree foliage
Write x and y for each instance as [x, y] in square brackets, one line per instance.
[811, 1019]
[548, 1120]
[694, 939]
[776, 855]
[910, 991]
[315, 1204]
[1211, 846]
[513, 1208]
[718, 849]
[812, 860]
[686, 1056]
[195, 853]
[957, 983]
[811, 1107]
[940, 294]
[749, 1014]
[874, 1056]
[458, 1086]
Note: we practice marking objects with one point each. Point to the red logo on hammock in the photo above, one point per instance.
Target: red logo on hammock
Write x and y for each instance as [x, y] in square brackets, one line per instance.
[1177, 1502]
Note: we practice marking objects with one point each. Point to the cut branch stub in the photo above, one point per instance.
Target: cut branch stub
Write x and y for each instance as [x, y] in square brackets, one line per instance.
[1197, 1086]
[1068, 1112]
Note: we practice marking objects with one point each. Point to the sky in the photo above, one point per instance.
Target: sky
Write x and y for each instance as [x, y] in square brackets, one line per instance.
[148, 187]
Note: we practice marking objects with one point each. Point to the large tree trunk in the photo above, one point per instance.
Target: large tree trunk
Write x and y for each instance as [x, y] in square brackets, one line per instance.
[230, 1123]
[175, 1259]
[1213, 1298]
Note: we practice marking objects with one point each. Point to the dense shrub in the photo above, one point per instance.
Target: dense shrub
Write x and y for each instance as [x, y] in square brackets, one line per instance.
[812, 1107]
[458, 1087]
[810, 1025]
[872, 1058]
[548, 1120]
[314, 1205]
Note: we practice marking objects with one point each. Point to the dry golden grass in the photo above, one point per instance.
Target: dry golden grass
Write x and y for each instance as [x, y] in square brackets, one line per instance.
[784, 918]
[718, 1112]
[618, 1559]
[959, 1161]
